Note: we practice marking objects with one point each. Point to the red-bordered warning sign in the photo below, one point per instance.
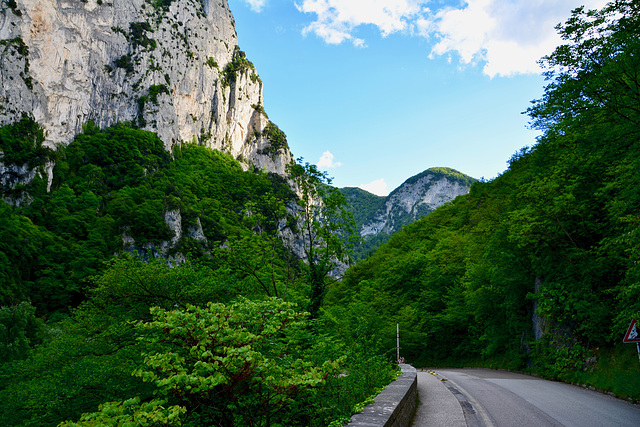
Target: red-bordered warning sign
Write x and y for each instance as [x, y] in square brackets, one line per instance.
[633, 334]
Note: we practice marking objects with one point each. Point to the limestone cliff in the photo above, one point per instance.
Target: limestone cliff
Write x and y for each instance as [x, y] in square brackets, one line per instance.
[416, 197]
[172, 67]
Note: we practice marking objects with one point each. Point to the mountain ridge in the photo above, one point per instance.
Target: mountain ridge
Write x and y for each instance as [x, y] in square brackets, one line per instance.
[378, 217]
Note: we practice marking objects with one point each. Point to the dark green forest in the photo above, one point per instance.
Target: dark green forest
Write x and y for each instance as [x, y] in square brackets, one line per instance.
[362, 206]
[100, 317]
[536, 270]
[103, 322]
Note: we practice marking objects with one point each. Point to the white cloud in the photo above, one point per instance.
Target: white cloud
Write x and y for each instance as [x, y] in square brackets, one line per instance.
[507, 37]
[337, 19]
[256, 5]
[378, 187]
[326, 161]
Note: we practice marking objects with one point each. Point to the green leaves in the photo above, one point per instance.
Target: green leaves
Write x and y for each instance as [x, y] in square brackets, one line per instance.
[595, 71]
[21, 143]
[239, 64]
[220, 365]
[132, 413]
[125, 156]
[20, 331]
[326, 224]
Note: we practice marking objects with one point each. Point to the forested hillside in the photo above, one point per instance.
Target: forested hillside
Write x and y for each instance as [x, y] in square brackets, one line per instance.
[154, 288]
[537, 269]
[362, 203]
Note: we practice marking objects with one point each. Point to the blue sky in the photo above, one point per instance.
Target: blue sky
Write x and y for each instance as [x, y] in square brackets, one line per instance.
[376, 91]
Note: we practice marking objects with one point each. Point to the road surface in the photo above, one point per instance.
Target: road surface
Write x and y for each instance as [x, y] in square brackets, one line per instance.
[490, 398]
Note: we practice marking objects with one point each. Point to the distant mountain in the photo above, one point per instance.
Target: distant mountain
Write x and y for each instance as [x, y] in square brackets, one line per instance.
[378, 217]
[362, 204]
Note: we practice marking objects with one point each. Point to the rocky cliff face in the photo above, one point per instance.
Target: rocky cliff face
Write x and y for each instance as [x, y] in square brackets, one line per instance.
[172, 67]
[415, 198]
[379, 217]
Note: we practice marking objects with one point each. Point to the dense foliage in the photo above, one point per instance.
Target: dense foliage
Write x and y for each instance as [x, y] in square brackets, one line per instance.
[131, 242]
[115, 186]
[549, 247]
[148, 287]
[21, 143]
[361, 203]
[239, 64]
[223, 365]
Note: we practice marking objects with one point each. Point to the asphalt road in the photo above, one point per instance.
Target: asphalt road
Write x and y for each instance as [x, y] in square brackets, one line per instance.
[490, 398]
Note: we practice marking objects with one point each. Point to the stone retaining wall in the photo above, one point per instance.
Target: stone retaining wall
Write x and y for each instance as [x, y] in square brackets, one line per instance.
[394, 406]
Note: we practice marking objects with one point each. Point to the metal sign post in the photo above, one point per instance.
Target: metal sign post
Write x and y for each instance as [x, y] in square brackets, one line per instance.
[633, 335]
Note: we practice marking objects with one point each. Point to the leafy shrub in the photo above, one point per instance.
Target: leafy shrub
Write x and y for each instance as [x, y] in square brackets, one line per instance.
[138, 35]
[125, 63]
[18, 43]
[21, 143]
[277, 139]
[155, 90]
[211, 62]
[162, 5]
[14, 7]
[20, 330]
[239, 64]
[222, 365]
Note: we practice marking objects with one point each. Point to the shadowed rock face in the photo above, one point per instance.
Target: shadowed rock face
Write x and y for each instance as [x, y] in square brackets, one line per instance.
[174, 69]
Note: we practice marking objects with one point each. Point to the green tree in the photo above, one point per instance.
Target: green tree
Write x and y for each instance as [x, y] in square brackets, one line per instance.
[327, 227]
[87, 359]
[594, 74]
[20, 331]
[21, 143]
[221, 365]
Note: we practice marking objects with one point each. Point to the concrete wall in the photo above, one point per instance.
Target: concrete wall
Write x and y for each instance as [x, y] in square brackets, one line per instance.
[394, 406]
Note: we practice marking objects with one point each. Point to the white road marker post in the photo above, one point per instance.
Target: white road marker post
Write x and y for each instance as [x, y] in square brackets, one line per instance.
[398, 342]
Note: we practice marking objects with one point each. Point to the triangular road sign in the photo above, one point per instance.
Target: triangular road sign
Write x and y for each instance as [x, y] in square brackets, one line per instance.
[633, 334]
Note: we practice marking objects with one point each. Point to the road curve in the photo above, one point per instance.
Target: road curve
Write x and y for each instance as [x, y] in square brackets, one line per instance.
[491, 398]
